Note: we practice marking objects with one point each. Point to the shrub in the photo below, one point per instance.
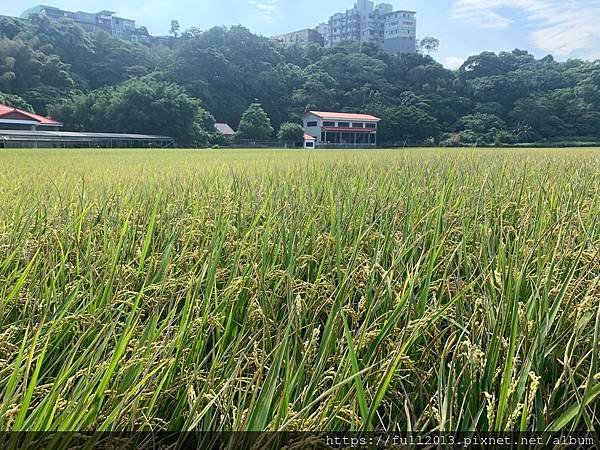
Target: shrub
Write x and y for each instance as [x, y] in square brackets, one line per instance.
[290, 133]
[450, 140]
[504, 137]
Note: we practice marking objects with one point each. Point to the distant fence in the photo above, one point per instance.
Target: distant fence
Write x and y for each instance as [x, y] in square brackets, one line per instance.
[251, 143]
[347, 146]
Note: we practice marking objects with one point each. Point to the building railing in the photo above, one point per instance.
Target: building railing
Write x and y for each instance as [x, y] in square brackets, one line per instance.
[342, 146]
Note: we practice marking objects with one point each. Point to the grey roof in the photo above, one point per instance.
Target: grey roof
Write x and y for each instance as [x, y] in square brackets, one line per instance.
[224, 128]
[55, 135]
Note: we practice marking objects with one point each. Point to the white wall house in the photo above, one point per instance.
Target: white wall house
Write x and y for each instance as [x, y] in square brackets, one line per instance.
[334, 129]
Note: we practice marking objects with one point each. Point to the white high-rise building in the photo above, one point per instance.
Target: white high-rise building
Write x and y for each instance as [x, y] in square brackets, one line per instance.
[366, 22]
[400, 32]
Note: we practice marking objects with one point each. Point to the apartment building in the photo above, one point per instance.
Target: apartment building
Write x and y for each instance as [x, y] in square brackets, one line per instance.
[103, 20]
[366, 22]
[400, 32]
[303, 37]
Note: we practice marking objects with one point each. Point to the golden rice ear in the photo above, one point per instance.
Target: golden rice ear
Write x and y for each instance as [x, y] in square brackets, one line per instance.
[262, 290]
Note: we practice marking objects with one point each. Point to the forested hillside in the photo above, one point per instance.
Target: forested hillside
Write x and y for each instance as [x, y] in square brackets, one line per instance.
[95, 82]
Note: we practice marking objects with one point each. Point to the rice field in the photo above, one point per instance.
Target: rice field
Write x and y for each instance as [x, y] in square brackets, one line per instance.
[421, 289]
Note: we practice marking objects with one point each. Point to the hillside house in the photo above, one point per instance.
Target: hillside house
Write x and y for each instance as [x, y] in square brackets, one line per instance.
[334, 129]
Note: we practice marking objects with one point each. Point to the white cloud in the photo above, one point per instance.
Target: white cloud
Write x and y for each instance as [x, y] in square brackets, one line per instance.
[452, 62]
[268, 8]
[562, 27]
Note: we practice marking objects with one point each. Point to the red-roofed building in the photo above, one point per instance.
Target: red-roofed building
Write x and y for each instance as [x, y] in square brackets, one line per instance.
[17, 119]
[309, 141]
[341, 129]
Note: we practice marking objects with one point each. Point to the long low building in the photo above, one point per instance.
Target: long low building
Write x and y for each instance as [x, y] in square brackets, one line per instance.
[65, 139]
[334, 129]
[24, 129]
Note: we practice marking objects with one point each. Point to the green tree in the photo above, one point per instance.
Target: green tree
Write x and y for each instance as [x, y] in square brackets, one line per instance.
[116, 60]
[318, 91]
[175, 27]
[255, 124]
[39, 78]
[10, 27]
[15, 101]
[354, 71]
[290, 133]
[144, 106]
[483, 65]
[480, 127]
[502, 89]
[227, 69]
[429, 44]
[524, 132]
[504, 137]
[406, 124]
[98, 59]
[65, 39]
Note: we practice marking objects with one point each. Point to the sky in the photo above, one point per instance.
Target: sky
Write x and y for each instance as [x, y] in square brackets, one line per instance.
[563, 28]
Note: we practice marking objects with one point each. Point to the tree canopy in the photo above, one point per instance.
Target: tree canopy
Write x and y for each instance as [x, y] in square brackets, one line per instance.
[255, 124]
[492, 97]
[141, 105]
[290, 133]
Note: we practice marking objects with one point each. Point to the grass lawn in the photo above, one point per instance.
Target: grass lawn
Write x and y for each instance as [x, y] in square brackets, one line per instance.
[419, 289]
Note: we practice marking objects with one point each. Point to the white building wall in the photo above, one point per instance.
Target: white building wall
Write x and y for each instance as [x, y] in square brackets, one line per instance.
[314, 131]
[323, 29]
[400, 35]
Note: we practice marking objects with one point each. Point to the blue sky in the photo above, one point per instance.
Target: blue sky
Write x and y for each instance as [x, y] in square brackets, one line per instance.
[564, 28]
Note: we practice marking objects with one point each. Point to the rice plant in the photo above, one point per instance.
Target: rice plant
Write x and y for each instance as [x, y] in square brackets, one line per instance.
[430, 290]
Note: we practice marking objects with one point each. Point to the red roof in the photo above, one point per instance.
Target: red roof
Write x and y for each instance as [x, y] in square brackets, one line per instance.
[352, 130]
[343, 116]
[308, 137]
[8, 112]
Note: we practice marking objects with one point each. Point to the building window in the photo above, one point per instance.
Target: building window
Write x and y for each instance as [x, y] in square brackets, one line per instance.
[310, 144]
[329, 124]
[358, 125]
[344, 124]
[370, 125]
[312, 124]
